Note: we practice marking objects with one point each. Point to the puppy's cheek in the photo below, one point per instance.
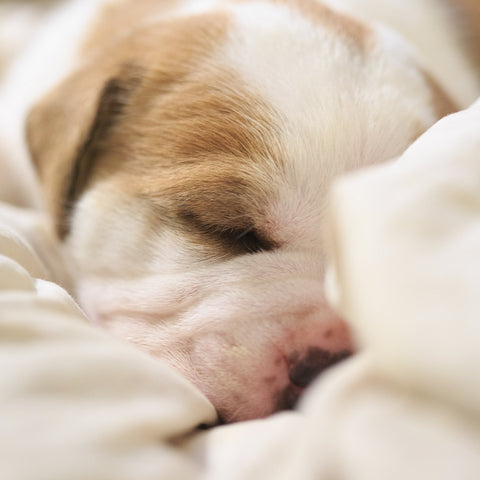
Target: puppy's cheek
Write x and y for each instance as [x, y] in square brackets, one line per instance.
[251, 347]
[241, 382]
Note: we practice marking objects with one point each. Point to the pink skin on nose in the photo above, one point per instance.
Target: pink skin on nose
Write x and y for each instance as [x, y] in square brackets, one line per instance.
[312, 357]
[245, 382]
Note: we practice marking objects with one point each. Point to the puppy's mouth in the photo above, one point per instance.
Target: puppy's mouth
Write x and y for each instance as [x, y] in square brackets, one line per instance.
[302, 370]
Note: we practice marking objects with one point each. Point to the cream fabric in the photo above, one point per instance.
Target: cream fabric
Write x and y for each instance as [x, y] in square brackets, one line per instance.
[405, 250]
[73, 403]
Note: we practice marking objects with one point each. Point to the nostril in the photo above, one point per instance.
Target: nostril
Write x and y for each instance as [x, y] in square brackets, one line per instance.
[304, 369]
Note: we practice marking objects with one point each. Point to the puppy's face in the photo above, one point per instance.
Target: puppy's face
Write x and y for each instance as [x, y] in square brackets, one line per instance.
[187, 166]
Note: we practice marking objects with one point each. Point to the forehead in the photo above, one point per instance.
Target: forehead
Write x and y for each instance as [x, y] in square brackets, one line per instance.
[192, 137]
[330, 77]
[264, 97]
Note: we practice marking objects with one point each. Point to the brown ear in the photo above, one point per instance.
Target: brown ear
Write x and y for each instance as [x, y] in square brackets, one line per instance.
[68, 129]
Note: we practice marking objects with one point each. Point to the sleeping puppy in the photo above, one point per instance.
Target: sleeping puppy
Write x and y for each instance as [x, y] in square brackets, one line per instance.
[185, 149]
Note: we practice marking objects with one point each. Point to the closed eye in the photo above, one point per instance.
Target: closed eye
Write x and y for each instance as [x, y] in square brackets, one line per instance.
[240, 240]
[252, 241]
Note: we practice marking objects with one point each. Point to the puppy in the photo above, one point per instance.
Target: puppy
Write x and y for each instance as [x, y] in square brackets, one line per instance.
[185, 149]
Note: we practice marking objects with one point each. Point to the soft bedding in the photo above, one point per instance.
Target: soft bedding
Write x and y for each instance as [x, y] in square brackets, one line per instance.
[405, 272]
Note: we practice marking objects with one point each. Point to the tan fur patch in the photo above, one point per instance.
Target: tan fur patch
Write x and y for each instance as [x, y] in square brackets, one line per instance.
[442, 103]
[202, 151]
[467, 19]
[173, 125]
[352, 31]
[120, 17]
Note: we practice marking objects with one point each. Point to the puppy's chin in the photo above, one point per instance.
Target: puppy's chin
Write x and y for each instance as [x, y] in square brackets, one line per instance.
[251, 345]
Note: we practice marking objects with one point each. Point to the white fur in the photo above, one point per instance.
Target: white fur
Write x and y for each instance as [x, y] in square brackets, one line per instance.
[430, 27]
[329, 122]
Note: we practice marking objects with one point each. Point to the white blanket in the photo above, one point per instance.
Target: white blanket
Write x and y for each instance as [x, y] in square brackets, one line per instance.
[405, 251]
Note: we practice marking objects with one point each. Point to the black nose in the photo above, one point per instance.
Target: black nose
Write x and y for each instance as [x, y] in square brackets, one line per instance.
[305, 368]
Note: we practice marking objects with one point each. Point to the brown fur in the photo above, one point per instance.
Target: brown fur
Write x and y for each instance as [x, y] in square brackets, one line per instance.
[149, 105]
[121, 17]
[355, 33]
[467, 17]
[198, 152]
[125, 15]
[442, 102]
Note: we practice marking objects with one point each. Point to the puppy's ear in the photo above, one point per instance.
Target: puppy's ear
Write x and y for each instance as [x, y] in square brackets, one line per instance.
[69, 128]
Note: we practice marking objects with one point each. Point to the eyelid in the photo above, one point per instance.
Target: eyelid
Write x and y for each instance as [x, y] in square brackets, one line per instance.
[244, 238]
[244, 233]
[253, 241]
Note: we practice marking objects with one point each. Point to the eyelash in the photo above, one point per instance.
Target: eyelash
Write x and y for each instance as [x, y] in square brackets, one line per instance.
[245, 240]
[251, 241]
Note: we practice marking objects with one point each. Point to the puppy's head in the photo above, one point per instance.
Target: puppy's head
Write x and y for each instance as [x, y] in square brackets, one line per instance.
[186, 167]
